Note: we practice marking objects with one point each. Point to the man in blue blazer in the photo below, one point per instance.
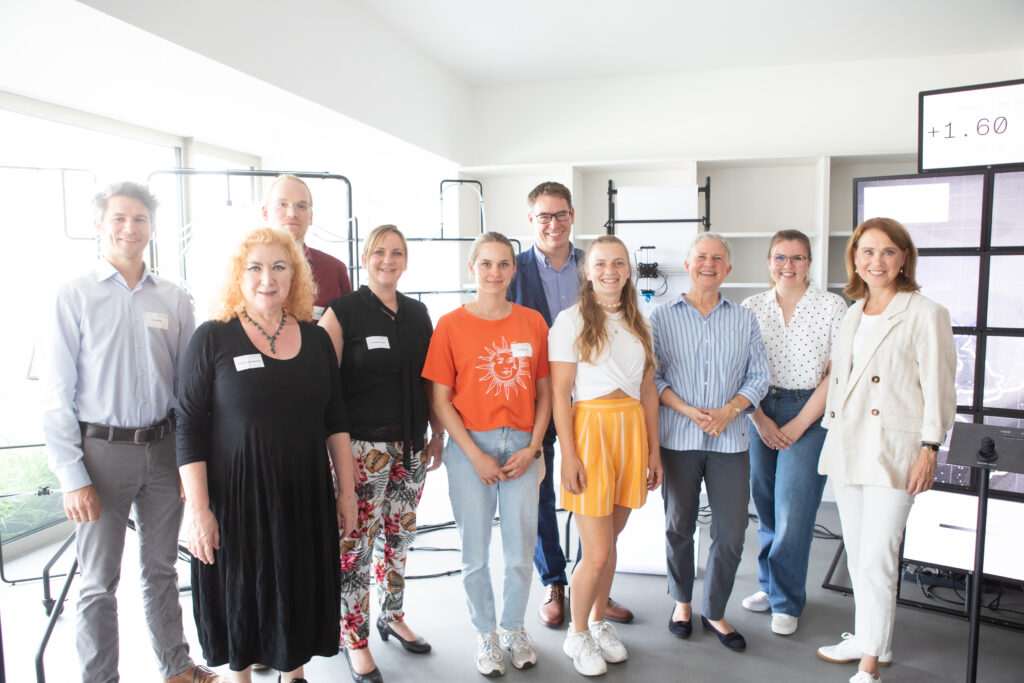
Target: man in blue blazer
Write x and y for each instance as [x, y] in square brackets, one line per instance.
[548, 280]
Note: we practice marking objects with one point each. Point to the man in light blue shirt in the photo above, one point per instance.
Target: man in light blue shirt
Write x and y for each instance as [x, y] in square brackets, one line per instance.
[712, 368]
[112, 360]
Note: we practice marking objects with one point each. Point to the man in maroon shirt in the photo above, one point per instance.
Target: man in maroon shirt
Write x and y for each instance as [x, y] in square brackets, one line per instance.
[289, 206]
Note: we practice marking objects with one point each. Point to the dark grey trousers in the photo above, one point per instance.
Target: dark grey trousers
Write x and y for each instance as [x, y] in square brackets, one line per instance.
[727, 476]
[146, 476]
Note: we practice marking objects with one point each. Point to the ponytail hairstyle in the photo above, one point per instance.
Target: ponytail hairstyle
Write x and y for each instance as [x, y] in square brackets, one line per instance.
[594, 333]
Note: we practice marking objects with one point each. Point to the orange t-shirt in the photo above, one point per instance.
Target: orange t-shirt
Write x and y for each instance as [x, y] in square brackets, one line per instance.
[491, 364]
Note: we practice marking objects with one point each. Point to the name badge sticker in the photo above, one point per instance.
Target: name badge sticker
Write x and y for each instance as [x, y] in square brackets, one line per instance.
[377, 343]
[522, 350]
[157, 320]
[249, 362]
[318, 312]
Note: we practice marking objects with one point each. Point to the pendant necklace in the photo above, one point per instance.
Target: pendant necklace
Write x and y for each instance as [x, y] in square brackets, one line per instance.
[270, 337]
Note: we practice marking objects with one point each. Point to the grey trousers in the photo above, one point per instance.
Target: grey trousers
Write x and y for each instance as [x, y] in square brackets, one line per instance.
[146, 476]
[727, 476]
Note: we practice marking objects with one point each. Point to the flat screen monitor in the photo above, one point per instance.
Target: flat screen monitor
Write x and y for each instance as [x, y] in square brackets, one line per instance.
[942, 529]
[974, 126]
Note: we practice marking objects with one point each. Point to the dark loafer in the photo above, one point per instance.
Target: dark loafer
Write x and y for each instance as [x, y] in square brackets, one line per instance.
[734, 641]
[680, 629]
[418, 646]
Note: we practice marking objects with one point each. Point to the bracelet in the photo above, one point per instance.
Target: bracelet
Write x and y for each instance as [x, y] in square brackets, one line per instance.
[733, 405]
[436, 435]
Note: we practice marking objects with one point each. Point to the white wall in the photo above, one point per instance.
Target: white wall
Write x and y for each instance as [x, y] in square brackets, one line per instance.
[332, 52]
[867, 107]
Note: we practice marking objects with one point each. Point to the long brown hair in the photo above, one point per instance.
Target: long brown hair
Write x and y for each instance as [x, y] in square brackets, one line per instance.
[594, 333]
[905, 279]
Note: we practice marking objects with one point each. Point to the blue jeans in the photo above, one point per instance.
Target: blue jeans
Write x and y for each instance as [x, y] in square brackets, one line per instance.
[474, 505]
[786, 489]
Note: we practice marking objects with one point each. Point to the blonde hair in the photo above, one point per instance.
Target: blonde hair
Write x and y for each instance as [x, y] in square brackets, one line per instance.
[905, 281]
[486, 238]
[285, 176]
[377, 236]
[229, 301]
[594, 333]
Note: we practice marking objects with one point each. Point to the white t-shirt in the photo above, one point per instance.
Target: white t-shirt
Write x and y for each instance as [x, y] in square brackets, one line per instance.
[864, 327]
[799, 352]
[619, 366]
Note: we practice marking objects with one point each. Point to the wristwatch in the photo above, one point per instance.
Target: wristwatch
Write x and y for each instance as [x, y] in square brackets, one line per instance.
[538, 451]
[931, 446]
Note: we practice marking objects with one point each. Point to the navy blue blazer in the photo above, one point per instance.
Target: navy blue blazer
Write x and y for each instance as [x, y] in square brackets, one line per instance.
[527, 289]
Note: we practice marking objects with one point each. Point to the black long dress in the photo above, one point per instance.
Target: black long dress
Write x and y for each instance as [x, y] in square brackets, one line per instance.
[272, 594]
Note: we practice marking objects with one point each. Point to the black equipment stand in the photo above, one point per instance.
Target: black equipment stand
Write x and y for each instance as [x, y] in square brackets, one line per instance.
[985, 448]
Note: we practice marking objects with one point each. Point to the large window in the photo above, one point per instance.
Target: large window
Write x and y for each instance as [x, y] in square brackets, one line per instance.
[969, 230]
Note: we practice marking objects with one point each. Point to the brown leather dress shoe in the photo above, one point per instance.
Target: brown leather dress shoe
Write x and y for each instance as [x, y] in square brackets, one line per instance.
[552, 610]
[198, 674]
[616, 612]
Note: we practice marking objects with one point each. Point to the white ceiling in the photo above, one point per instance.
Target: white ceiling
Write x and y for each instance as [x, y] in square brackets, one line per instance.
[491, 42]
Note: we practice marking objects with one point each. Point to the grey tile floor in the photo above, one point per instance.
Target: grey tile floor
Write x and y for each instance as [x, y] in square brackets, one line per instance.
[928, 646]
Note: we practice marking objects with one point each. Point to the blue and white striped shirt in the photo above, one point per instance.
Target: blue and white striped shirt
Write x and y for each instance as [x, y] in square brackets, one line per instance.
[706, 362]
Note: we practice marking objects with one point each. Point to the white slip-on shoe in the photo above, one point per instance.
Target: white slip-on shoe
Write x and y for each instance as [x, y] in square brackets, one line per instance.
[489, 660]
[758, 602]
[607, 639]
[846, 650]
[864, 677]
[519, 646]
[783, 624]
[585, 655]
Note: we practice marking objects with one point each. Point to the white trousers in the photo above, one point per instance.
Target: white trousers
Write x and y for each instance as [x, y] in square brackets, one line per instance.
[873, 520]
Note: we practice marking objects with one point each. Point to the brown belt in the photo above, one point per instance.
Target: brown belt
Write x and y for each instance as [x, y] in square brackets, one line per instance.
[148, 434]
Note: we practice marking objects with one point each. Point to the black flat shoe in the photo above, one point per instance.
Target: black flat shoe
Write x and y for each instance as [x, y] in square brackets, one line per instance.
[734, 641]
[369, 677]
[680, 629]
[418, 646]
[294, 680]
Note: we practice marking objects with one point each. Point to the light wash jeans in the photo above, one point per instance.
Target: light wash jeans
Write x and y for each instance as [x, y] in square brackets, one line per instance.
[474, 506]
[786, 489]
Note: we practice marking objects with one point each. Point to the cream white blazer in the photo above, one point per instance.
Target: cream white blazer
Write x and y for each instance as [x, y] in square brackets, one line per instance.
[899, 393]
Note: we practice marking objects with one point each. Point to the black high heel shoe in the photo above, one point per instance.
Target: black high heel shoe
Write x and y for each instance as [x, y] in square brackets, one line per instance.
[418, 646]
[368, 677]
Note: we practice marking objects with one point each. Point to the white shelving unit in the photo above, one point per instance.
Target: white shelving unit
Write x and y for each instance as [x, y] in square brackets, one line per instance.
[750, 200]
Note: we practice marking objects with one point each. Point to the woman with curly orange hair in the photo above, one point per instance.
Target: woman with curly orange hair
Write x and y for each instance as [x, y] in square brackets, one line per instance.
[259, 398]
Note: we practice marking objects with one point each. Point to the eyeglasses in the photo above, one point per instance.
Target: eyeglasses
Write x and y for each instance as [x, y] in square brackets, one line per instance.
[300, 207]
[780, 260]
[545, 218]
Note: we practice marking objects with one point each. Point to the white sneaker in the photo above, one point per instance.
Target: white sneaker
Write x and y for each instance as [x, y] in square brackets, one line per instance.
[586, 657]
[758, 602]
[520, 647]
[846, 650]
[489, 660]
[783, 624]
[865, 677]
[612, 649]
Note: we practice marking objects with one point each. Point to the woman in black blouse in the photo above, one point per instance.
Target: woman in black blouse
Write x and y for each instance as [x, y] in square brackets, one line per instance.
[381, 337]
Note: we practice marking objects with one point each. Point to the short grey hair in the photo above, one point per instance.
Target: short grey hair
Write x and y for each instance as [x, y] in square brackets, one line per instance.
[125, 188]
[710, 236]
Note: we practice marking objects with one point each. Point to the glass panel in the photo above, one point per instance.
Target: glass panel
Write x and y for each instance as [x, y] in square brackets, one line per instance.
[1006, 481]
[1008, 210]
[1004, 373]
[944, 211]
[966, 351]
[1006, 283]
[23, 473]
[953, 282]
[952, 475]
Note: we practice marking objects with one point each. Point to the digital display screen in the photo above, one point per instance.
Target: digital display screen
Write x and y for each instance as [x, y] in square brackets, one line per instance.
[971, 127]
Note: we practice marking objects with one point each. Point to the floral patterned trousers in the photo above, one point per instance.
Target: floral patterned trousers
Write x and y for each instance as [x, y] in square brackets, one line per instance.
[388, 494]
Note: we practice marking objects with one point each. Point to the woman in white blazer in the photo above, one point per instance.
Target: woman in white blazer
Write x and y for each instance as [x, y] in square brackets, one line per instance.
[891, 400]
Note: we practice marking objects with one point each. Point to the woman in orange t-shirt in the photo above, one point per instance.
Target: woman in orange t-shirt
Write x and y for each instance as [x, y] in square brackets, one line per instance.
[488, 361]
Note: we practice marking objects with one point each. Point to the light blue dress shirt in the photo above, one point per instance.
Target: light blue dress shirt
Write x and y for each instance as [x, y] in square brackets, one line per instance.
[561, 287]
[706, 362]
[111, 356]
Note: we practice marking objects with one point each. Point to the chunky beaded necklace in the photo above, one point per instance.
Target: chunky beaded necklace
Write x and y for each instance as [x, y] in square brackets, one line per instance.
[270, 337]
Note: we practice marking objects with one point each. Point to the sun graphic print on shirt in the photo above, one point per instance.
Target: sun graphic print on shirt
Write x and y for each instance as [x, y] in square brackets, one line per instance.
[505, 366]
